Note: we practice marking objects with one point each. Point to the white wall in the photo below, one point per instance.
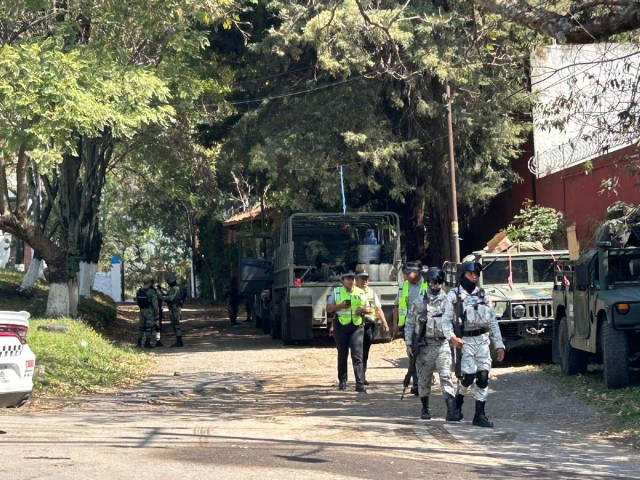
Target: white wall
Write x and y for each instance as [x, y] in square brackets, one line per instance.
[5, 240]
[109, 283]
[583, 75]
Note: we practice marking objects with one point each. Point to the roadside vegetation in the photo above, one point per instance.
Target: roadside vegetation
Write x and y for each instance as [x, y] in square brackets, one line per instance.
[623, 403]
[91, 355]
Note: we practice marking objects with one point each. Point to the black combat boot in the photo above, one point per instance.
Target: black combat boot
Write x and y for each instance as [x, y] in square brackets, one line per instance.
[425, 414]
[147, 343]
[139, 344]
[480, 419]
[342, 385]
[159, 343]
[458, 407]
[360, 388]
[415, 391]
[178, 342]
[452, 415]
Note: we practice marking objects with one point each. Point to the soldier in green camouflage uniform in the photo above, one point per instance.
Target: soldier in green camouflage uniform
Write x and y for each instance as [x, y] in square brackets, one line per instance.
[174, 302]
[147, 299]
[424, 319]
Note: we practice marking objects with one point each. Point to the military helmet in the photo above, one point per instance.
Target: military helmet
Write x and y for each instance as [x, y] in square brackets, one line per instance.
[435, 274]
[469, 267]
[171, 278]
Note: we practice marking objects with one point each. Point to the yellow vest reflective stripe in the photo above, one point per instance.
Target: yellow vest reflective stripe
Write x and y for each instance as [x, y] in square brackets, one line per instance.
[371, 298]
[345, 317]
[404, 300]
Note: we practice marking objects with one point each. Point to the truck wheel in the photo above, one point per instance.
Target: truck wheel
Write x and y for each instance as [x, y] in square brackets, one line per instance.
[572, 360]
[286, 327]
[615, 357]
[266, 324]
[276, 329]
[555, 340]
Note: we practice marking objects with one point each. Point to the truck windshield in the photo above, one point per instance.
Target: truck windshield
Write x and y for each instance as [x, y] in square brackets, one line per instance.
[624, 266]
[497, 273]
[543, 270]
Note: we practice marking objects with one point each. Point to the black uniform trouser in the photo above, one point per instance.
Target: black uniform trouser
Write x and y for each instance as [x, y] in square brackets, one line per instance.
[369, 333]
[349, 337]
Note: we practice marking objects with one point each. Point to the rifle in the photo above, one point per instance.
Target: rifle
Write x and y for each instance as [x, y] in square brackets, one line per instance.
[415, 350]
[458, 329]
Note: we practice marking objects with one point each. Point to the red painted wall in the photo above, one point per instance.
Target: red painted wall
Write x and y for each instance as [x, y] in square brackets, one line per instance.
[575, 193]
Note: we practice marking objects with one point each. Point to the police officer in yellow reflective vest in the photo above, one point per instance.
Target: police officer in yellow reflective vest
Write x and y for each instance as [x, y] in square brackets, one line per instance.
[370, 319]
[413, 288]
[349, 304]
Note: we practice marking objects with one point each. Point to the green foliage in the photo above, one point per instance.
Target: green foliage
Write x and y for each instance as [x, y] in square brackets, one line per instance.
[367, 91]
[216, 259]
[535, 223]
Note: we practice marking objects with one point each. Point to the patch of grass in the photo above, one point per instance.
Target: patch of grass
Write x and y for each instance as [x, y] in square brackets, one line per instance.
[84, 359]
[623, 403]
[81, 360]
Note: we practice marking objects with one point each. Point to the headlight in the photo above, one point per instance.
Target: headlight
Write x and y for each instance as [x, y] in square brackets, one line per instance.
[622, 308]
[499, 308]
[518, 311]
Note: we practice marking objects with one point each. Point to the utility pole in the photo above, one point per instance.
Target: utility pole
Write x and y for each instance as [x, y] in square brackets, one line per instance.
[455, 239]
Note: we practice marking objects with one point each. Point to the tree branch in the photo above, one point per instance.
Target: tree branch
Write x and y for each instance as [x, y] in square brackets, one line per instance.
[22, 183]
[4, 188]
[621, 17]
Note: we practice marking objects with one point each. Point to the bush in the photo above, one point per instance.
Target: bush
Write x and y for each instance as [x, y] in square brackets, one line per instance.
[535, 223]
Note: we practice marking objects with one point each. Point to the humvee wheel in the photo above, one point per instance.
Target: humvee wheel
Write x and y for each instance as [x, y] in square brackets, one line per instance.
[555, 340]
[572, 360]
[615, 357]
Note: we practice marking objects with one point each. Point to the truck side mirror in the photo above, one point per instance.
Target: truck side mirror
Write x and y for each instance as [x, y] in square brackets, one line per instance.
[582, 275]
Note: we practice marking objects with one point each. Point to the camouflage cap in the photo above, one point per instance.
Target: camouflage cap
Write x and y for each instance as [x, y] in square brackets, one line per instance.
[411, 267]
[170, 278]
[148, 280]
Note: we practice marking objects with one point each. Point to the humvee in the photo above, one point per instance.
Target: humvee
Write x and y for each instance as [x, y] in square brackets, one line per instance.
[523, 305]
[596, 300]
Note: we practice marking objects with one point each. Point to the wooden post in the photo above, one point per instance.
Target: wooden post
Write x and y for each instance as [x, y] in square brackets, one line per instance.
[572, 241]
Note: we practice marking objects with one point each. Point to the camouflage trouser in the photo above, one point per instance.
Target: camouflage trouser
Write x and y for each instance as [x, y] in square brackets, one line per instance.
[174, 313]
[476, 357]
[434, 357]
[147, 322]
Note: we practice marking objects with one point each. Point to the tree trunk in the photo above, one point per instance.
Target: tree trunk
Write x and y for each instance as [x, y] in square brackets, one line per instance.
[58, 300]
[86, 278]
[73, 297]
[32, 274]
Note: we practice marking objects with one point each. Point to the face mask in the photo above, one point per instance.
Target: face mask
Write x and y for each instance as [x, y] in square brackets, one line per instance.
[434, 290]
[468, 285]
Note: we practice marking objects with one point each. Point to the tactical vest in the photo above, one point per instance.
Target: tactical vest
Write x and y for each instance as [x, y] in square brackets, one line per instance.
[371, 298]
[403, 301]
[142, 298]
[475, 311]
[345, 317]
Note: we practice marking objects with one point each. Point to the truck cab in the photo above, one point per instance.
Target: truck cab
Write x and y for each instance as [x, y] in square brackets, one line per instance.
[596, 301]
[519, 285]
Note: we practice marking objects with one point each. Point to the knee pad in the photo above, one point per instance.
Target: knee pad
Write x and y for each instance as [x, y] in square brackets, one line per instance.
[467, 380]
[482, 379]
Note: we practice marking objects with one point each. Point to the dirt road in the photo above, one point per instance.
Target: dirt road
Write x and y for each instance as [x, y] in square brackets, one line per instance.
[235, 404]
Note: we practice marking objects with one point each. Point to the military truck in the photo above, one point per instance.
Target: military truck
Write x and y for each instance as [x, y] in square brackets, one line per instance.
[255, 276]
[523, 305]
[596, 300]
[311, 251]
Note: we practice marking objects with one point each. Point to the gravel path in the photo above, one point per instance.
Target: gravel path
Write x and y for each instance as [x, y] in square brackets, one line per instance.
[235, 404]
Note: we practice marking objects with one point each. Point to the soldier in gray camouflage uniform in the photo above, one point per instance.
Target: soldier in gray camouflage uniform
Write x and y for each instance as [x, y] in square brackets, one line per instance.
[174, 301]
[480, 328]
[147, 299]
[424, 318]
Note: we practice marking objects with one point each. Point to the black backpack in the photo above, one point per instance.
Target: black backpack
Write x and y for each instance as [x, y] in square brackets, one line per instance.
[142, 298]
